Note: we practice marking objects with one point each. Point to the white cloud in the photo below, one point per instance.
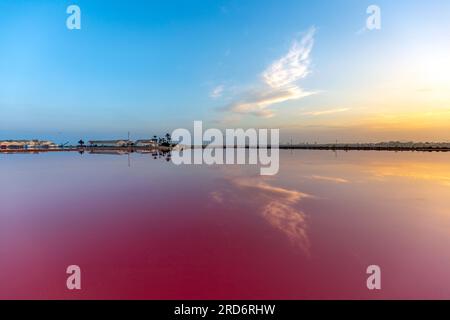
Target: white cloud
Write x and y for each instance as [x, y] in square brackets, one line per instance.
[257, 103]
[293, 66]
[217, 92]
[279, 81]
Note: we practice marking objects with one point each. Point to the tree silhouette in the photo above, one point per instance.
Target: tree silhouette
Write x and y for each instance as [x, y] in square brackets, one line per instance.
[81, 143]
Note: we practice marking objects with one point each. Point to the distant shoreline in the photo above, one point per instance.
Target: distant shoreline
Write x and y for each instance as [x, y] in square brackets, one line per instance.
[359, 148]
[282, 147]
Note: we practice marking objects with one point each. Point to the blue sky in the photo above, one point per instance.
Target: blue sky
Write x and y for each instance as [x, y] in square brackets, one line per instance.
[152, 66]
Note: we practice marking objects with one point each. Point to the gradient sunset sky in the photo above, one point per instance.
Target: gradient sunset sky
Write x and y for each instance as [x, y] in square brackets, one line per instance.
[309, 68]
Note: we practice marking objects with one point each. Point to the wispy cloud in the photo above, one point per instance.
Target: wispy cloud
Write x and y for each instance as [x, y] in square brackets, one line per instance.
[293, 66]
[257, 102]
[325, 112]
[330, 179]
[279, 81]
[217, 92]
[361, 31]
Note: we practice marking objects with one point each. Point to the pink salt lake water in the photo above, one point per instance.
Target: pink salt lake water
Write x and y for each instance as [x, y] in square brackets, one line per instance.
[141, 228]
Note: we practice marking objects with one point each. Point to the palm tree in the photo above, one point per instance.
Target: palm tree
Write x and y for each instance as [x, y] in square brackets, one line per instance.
[168, 137]
[81, 143]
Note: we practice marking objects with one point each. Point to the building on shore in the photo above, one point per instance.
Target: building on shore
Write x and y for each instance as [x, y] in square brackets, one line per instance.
[152, 143]
[110, 143]
[27, 145]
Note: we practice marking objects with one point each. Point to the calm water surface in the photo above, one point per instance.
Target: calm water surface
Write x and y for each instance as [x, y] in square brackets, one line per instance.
[146, 229]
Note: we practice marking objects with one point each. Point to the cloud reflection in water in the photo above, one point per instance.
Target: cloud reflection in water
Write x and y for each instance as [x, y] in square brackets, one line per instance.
[278, 206]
